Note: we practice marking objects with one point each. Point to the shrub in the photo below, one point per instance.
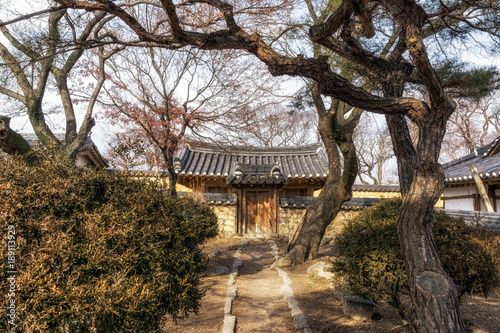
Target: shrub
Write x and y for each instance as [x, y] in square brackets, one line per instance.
[98, 252]
[370, 262]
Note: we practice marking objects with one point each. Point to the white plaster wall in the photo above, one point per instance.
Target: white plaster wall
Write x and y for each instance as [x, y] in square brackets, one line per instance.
[459, 204]
[458, 191]
[483, 206]
[82, 161]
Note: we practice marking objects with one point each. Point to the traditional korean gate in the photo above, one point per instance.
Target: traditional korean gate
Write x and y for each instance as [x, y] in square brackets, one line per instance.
[260, 213]
[257, 190]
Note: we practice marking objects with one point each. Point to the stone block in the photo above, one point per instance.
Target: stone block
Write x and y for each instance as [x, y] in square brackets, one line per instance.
[357, 308]
[229, 222]
[326, 275]
[220, 270]
[318, 267]
[229, 324]
[282, 262]
[214, 253]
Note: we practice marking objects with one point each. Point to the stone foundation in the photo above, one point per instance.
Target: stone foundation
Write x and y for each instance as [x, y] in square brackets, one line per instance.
[288, 220]
[226, 216]
[291, 211]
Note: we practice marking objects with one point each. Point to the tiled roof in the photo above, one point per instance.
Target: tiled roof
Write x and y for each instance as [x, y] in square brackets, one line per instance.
[376, 188]
[284, 201]
[294, 162]
[257, 174]
[486, 159]
[303, 202]
[490, 220]
[214, 198]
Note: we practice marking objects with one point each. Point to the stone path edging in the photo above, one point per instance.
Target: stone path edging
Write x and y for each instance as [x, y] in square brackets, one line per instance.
[232, 291]
[299, 319]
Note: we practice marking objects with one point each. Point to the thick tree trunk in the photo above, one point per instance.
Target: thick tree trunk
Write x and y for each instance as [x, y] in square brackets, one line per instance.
[403, 150]
[336, 133]
[433, 293]
[172, 182]
[11, 142]
[306, 240]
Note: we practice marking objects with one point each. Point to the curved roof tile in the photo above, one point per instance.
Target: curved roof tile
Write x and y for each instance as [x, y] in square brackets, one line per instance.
[308, 161]
[486, 159]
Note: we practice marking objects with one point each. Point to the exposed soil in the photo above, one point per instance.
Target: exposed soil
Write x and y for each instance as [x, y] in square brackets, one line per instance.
[260, 306]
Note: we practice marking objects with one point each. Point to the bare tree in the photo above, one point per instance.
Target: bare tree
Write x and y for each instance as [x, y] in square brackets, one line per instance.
[29, 60]
[374, 150]
[268, 125]
[163, 97]
[128, 152]
[474, 124]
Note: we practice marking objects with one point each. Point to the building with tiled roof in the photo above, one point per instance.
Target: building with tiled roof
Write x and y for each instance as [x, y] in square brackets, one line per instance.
[461, 191]
[268, 187]
[212, 169]
[88, 154]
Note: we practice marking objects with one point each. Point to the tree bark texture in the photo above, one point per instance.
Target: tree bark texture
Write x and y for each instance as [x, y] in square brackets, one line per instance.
[403, 149]
[172, 182]
[433, 293]
[307, 237]
[336, 134]
[11, 142]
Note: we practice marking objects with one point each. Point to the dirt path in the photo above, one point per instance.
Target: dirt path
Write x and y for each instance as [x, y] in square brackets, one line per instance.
[260, 305]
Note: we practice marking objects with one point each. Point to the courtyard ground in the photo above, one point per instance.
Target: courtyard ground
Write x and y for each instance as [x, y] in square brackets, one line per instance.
[260, 305]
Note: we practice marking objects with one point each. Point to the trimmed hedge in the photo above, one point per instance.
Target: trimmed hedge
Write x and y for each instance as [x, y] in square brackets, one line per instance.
[370, 262]
[98, 252]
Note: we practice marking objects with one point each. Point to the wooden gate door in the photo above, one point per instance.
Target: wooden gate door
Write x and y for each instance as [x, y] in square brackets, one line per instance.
[259, 213]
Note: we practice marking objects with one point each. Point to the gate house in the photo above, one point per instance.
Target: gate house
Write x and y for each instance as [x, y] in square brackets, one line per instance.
[258, 177]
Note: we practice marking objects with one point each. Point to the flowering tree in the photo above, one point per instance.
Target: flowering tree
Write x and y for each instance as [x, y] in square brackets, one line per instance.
[162, 98]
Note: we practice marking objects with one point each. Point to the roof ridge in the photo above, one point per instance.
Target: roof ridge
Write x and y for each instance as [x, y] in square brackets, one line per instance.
[494, 146]
[459, 160]
[307, 161]
[241, 150]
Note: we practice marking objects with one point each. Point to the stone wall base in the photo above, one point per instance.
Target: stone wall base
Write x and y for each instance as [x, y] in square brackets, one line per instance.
[288, 220]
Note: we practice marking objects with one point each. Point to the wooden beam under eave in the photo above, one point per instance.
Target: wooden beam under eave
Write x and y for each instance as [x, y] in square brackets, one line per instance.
[481, 189]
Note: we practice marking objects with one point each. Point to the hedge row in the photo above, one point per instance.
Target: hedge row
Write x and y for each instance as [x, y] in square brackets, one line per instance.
[370, 261]
[97, 252]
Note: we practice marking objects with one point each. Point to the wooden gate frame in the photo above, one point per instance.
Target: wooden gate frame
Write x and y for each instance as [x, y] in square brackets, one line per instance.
[241, 205]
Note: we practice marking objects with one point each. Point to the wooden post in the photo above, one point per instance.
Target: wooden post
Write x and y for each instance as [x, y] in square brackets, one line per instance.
[493, 197]
[480, 188]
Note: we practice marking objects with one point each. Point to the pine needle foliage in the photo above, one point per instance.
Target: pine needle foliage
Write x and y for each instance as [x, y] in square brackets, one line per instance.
[371, 264]
[98, 251]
